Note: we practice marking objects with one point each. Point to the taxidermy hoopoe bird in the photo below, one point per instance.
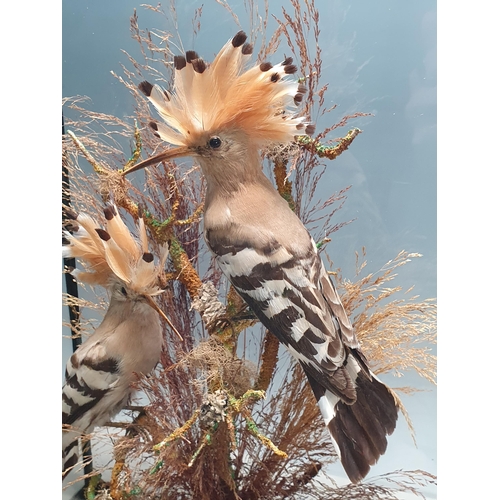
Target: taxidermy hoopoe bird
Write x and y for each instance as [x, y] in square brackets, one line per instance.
[128, 341]
[222, 115]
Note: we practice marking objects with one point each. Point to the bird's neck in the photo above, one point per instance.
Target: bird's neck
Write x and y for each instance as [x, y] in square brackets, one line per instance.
[226, 176]
[238, 194]
[130, 310]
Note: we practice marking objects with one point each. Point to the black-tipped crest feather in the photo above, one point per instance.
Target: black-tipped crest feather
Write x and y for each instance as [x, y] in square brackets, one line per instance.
[239, 39]
[223, 94]
[146, 88]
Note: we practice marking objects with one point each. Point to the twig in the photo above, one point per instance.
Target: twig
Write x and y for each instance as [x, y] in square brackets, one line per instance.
[330, 152]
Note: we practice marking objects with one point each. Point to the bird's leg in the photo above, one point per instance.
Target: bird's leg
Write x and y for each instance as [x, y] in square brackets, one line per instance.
[228, 331]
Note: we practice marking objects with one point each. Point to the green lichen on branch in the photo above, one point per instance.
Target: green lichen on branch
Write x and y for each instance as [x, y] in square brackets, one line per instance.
[283, 184]
[238, 404]
[91, 490]
[137, 150]
[220, 407]
[330, 152]
[187, 273]
[178, 433]
[252, 427]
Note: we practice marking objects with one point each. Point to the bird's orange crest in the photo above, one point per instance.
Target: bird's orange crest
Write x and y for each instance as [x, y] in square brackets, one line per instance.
[259, 101]
[113, 252]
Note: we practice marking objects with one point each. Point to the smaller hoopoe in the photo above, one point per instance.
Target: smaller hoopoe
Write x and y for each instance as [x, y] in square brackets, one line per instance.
[129, 339]
[223, 115]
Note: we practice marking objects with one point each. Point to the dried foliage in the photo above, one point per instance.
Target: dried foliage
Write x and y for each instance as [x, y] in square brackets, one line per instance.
[240, 446]
[396, 333]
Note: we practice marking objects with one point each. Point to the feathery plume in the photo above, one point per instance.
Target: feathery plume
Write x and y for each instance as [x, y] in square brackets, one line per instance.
[222, 95]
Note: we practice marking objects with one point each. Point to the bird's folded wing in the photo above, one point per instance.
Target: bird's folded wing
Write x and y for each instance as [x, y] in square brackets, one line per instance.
[90, 374]
[294, 298]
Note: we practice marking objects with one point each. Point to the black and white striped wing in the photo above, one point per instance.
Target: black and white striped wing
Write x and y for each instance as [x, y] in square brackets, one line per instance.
[88, 397]
[284, 291]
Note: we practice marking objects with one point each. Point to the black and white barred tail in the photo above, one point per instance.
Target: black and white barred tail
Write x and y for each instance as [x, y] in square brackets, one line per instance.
[359, 430]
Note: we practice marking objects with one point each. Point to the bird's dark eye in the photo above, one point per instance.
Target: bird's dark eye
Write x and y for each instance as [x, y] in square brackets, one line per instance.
[215, 142]
[124, 291]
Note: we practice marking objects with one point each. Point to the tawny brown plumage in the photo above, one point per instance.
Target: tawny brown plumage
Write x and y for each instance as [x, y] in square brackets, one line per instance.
[223, 115]
[128, 342]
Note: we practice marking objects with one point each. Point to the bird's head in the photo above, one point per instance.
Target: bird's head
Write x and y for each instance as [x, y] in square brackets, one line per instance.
[114, 258]
[222, 111]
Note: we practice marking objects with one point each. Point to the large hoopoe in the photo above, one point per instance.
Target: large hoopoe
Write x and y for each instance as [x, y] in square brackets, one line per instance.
[222, 115]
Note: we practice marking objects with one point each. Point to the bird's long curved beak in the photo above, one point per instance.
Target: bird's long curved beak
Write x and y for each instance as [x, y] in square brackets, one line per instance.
[170, 154]
[155, 306]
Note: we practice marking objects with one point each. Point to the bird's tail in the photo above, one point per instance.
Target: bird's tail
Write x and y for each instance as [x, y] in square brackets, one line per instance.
[359, 430]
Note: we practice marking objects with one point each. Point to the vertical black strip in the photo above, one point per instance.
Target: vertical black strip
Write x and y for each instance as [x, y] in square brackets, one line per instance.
[72, 289]
[71, 286]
